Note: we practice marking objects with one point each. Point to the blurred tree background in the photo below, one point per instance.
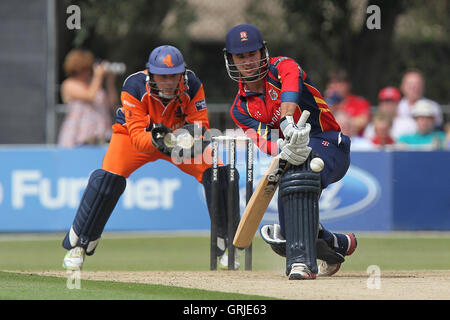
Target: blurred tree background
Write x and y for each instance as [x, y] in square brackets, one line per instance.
[322, 35]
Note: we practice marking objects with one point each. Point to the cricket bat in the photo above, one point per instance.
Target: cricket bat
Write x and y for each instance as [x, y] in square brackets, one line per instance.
[258, 203]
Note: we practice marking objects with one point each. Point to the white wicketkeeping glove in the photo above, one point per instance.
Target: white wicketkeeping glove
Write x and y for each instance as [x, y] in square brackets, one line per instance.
[296, 151]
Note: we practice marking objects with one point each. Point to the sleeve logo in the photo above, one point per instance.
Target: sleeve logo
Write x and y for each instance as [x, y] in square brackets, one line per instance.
[200, 105]
[273, 94]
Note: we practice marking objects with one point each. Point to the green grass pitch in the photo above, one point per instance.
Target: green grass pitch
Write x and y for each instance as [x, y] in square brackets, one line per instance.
[166, 252]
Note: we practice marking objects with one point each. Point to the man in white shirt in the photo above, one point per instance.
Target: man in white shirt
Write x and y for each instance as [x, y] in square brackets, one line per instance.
[412, 87]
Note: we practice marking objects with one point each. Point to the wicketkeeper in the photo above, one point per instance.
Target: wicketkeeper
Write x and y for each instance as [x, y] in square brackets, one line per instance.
[273, 92]
[164, 99]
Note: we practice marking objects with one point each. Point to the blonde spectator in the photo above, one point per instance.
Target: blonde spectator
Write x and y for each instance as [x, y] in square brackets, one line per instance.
[90, 107]
[426, 138]
[388, 99]
[382, 123]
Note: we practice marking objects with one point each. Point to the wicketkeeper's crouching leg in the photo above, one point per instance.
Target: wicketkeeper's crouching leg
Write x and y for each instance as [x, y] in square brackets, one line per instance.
[98, 202]
[222, 214]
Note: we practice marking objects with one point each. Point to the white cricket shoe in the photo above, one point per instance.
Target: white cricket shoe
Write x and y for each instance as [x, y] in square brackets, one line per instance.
[223, 261]
[300, 271]
[74, 258]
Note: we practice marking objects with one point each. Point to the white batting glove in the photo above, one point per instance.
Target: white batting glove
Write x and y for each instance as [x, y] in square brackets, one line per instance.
[288, 127]
[295, 155]
[281, 143]
[300, 136]
[296, 151]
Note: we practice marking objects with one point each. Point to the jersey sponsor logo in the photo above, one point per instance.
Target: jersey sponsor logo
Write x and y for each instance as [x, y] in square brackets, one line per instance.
[200, 105]
[127, 103]
[244, 36]
[275, 118]
[167, 60]
[273, 94]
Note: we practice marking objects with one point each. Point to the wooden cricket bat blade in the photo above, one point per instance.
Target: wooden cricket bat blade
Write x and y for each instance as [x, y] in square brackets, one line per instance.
[258, 203]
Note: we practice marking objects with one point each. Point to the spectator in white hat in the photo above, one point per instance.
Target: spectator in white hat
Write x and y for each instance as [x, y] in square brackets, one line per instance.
[426, 138]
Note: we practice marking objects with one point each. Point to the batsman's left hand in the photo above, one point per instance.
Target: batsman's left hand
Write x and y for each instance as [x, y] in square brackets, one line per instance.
[300, 136]
[289, 128]
[296, 151]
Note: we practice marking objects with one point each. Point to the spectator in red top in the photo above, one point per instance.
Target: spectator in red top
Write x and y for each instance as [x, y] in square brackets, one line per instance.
[338, 95]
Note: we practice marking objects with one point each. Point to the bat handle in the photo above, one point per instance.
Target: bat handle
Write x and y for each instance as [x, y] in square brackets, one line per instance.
[302, 121]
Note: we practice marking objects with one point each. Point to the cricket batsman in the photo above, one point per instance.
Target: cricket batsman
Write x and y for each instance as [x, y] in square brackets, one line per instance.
[166, 100]
[272, 93]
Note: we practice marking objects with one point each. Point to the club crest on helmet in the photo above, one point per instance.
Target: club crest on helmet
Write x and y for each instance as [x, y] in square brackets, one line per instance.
[168, 61]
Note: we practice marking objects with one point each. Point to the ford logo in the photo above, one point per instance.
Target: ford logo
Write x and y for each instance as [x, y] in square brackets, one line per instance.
[357, 191]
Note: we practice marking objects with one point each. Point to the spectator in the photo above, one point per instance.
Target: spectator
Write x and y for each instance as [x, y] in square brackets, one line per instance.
[447, 135]
[90, 107]
[338, 94]
[388, 99]
[358, 143]
[426, 138]
[382, 123]
[412, 87]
